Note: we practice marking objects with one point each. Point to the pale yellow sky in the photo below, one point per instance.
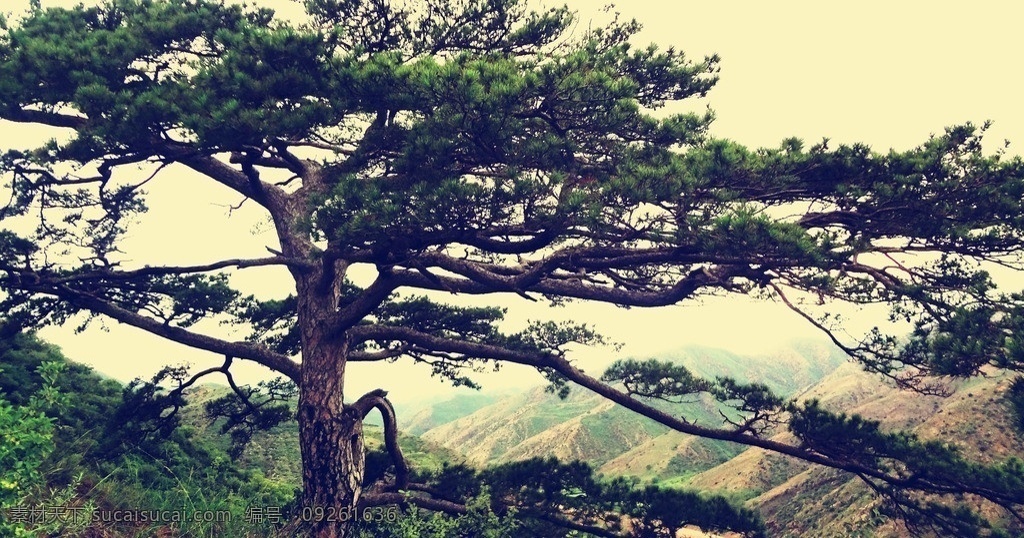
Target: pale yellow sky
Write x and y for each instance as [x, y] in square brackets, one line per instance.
[884, 73]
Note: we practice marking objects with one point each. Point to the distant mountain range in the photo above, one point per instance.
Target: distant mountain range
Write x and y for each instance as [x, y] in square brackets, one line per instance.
[794, 498]
[588, 427]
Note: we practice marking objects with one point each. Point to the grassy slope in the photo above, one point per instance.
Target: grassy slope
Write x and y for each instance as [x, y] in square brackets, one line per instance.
[419, 421]
[620, 443]
[489, 433]
[794, 498]
[798, 500]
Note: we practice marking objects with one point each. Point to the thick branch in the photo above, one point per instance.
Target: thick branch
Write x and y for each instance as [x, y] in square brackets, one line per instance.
[565, 368]
[437, 344]
[246, 159]
[683, 288]
[377, 399]
[175, 270]
[368, 300]
[264, 194]
[572, 525]
[399, 498]
[243, 350]
[199, 375]
[54, 119]
[522, 246]
[375, 356]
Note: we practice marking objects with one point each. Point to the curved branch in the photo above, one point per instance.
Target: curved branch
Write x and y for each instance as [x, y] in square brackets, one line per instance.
[368, 300]
[374, 356]
[243, 350]
[236, 389]
[683, 288]
[565, 368]
[853, 352]
[264, 194]
[377, 399]
[534, 243]
[248, 160]
[572, 259]
[910, 381]
[438, 344]
[198, 375]
[437, 505]
[562, 366]
[175, 393]
[572, 525]
[919, 483]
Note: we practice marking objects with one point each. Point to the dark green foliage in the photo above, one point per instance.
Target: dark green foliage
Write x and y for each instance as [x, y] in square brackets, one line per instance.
[148, 410]
[753, 405]
[1015, 396]
[480, 520]
[21, 357]
[655, 379]
[534, 488]
[537, 492]
[248, 410]
[103, 441]
[27, 435]
[919, 464]
[757, 405]
[151, 410]
[425, 315]
[272, 322]
[442, 101]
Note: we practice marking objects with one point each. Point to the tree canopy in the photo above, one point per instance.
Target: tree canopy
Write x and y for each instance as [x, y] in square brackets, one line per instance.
[476, 147]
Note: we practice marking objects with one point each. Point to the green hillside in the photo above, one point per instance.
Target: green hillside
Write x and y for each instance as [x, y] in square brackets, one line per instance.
[109, 453]
[100, 457]
[489, 433]
[589, 428]
[416, 422]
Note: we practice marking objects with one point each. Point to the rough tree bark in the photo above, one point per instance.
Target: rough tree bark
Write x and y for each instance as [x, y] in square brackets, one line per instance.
[331, 440]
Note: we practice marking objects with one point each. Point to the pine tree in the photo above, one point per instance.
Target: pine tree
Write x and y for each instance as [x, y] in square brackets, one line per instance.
[475, 147]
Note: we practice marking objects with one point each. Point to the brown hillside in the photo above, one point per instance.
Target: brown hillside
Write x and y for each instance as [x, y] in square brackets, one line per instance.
[798, 500]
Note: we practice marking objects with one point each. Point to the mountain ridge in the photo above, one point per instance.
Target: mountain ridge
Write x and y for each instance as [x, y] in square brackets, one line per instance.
[590, 428]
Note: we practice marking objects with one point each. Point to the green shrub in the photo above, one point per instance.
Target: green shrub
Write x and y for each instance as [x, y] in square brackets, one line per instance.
[26, 439]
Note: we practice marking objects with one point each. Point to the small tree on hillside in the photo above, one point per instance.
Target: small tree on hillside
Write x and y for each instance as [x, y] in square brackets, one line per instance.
[474, 147]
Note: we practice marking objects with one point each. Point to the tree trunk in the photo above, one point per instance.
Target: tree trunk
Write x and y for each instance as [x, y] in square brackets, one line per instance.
[330, 433]
[331, 440]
